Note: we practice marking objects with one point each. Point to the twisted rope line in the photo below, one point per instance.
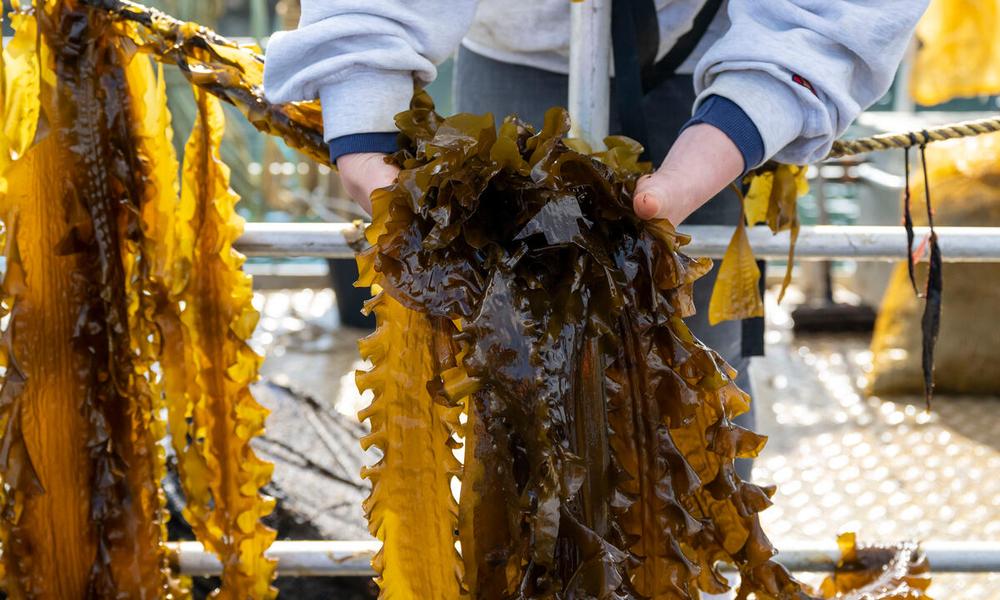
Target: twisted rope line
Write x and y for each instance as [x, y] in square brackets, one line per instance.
[889, 141]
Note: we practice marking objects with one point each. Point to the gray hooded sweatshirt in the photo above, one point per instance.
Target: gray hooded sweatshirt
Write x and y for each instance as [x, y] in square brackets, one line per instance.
[802, 70]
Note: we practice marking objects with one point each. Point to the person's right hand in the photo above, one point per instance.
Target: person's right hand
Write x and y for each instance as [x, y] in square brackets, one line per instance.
[364, 172]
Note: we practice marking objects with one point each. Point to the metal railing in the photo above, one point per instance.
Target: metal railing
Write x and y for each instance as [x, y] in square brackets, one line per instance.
[331, 240]
[821, 242]
[353, 558]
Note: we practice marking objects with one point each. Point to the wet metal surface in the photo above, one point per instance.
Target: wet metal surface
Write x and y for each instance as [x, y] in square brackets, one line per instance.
[882, 467]
[842, 461]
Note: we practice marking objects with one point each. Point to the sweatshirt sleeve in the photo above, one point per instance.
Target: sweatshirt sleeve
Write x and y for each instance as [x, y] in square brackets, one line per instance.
[803, 70]
[362, 57]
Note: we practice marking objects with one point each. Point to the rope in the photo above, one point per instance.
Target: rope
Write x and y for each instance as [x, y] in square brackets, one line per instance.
[307, 136]
[910, 139]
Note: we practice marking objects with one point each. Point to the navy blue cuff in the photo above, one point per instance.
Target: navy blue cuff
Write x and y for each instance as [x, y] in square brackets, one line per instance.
[362, 142]
[728, 117]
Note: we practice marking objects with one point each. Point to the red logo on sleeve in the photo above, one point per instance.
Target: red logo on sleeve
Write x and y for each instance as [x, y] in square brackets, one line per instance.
[804, 83]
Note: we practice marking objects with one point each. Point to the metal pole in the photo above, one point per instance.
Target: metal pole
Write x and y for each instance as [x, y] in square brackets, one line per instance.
[352, 558]
[590, 69]
[295, 558]
[831, 242]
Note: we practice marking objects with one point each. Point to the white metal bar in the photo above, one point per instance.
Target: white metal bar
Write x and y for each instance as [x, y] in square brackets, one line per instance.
[589, 70]
[881, 243]
[295, 558]
[944, 557]
[833, 242]
[352, 558]
[326, 240]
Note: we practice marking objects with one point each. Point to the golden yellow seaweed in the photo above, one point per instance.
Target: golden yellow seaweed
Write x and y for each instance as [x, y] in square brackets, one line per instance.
[146, 270]
[44, 434]
[220, 472]
[896, 572]
[772, 199]
[789, 185]
[413, 419]
[22, 81]
[411, 507]
[82, 459]
[736, 294]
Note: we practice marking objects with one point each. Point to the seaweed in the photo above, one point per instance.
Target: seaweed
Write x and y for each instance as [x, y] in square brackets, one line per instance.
[217, 418]
[234, 73]
[112, 282]
[772, 194]
[599, 441]
[417, 462]
[898, 572]
[82, 457]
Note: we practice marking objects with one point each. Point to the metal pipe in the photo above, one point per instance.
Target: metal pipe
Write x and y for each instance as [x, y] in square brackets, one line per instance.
[944, 557]
[590, 70]
[295, 558]
[279, 240]
[834, 242]
[352, 558]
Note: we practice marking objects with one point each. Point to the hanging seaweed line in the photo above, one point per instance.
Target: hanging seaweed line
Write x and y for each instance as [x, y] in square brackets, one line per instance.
[930, 323]
[124, 301]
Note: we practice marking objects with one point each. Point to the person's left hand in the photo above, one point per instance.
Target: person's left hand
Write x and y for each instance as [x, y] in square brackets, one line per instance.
[701, 163]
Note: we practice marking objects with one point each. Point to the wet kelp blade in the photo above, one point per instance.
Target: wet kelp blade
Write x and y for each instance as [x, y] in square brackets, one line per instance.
[911, 259]
[413, 422]
[599, 436]
[44, 437]
[232, 72]
[789, 185]
[930, 324]
[220, 473]
[567, 303]
[898, 572]
[411, 507]
[772, 198]
[80, 462]
[736, 294]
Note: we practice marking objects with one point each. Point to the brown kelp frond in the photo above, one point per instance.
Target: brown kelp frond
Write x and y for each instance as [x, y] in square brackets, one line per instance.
[221, 474]
[221, 67]
[571, 312]
[110, 285]
[91, 114]
[897, 572]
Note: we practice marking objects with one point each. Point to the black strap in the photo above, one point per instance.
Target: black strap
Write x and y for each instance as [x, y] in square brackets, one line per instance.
[628, 23]
[655, 74]
[635, 33]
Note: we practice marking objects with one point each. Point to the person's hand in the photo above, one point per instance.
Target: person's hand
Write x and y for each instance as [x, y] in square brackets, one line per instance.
[364, 172]
[701, 163]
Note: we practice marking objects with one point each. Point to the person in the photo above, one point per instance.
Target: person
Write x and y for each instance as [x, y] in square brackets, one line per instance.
[734, 84]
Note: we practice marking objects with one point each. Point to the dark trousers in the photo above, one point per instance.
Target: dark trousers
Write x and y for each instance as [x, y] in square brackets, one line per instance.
[483, 85]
